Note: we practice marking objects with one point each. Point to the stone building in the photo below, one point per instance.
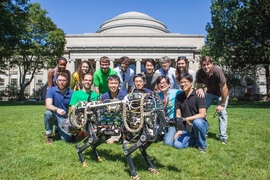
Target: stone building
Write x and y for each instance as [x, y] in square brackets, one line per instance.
[131, 34]
[135, 35]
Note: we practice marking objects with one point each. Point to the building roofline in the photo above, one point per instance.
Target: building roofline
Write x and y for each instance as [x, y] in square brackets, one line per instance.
[117, 18]
[105, 35]
[133, 25]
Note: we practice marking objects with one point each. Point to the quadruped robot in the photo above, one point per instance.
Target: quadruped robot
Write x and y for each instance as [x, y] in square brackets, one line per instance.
[139, 119]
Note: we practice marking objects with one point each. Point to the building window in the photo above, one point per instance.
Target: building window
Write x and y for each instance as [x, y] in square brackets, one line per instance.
[2, 83]
[14, 82]
[39, 84]
[13, 72]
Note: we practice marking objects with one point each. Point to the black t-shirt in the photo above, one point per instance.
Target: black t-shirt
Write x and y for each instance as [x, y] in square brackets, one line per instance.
[189, 106]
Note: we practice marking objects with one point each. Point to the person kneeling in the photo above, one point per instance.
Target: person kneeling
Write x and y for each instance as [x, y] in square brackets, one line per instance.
[193, 111]
[114, 94]
[57, 104]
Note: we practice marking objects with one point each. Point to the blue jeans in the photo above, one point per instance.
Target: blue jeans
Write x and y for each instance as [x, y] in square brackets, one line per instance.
[222, 117]
[169, 135]
[197, 137]
[51, 119]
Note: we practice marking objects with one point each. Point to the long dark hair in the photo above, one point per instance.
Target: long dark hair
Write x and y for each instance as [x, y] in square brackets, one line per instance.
[178, 72]
[79, 70]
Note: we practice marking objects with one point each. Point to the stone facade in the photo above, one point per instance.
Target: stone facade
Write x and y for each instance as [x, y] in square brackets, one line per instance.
[135, 35]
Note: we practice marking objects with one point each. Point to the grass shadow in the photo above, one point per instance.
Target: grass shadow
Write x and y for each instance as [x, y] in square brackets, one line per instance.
[212, 136]
[137, 158]
[104, 154]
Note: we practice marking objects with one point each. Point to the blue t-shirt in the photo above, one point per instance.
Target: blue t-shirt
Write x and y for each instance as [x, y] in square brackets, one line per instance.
[171, 97]
[59, 100]
[144, 90]
[121, 94]
[171, 75]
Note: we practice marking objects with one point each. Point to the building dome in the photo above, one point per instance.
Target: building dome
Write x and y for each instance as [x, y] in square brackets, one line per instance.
[133, 23]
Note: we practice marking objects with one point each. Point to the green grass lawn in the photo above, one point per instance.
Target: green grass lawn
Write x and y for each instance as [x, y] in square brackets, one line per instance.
[24, 154]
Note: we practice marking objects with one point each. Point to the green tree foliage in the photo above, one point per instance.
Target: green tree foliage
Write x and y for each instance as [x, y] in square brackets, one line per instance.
[239, 35]
[12, 17]
[40, 42]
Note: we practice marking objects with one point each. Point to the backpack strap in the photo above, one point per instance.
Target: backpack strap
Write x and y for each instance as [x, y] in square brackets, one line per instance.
[89, 97]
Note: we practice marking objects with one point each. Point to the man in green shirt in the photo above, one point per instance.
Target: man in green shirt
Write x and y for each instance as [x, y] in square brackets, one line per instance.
[101, 75]
[85, 94]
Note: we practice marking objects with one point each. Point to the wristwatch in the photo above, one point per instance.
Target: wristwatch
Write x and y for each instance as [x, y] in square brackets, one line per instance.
[55, 110]
[222, 105]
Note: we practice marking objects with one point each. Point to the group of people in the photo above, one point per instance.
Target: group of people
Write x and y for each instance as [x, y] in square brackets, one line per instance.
[175, 86]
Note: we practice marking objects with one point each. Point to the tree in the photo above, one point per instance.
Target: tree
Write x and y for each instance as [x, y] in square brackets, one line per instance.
[13, 15]
[40, 42]
[239, 35]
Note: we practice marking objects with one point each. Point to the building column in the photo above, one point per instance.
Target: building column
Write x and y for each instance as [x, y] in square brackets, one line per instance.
[71, 60]
[111, 63]
[97, 64]
[72, 64]
[174, 65]
[138, 65]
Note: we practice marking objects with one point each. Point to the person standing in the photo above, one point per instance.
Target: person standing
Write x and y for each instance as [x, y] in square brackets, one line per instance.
[101, 75]
[168, 96]
[61, 64]
[215, 81]
[57, 104]
[192, 111]
[77, 77]
[166, 70]
[150, 75]
[182, 67]
[125, 74]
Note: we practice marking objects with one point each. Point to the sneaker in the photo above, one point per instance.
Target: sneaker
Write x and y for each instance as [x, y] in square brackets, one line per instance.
[49, 140]
[202, 150]
[224, 141]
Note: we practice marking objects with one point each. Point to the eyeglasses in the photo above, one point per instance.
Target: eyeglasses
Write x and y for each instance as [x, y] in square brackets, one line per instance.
[184, 82]
[163, 82]
[138, 81]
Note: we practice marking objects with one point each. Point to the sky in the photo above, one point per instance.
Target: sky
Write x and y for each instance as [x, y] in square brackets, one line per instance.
[86, 16]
